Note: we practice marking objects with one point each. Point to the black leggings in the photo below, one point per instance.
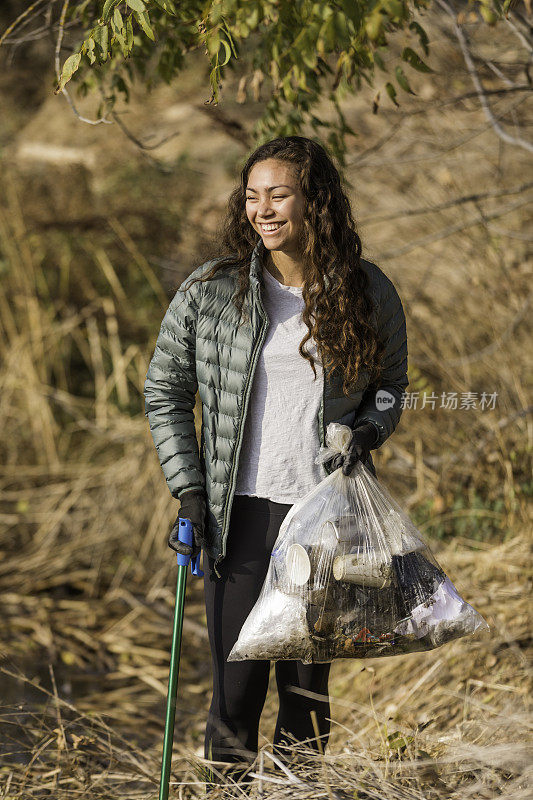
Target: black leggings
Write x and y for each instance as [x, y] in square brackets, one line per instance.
[240, 687]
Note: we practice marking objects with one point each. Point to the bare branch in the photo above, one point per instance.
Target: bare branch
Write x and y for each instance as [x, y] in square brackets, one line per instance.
[60, 37]
[524, 39]
[19, 19]
[522, 237]
[36, 34]
[427, 108]
[450, 230]
[437, 154]
[230, 125]
[468, 198]
[58, 71]
[138, 142]
[380, 142]
[99, 121]
[477, 83]
[501, 75]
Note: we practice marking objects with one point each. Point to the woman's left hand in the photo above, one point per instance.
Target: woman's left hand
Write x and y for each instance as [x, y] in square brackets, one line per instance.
[364, 437]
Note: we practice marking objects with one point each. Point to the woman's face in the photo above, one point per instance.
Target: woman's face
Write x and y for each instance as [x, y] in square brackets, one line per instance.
[275, 205]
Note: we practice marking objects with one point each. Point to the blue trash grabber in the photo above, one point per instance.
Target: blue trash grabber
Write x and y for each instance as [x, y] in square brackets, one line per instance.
[185, 535]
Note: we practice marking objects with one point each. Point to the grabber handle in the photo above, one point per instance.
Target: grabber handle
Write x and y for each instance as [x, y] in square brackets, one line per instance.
[186, 535]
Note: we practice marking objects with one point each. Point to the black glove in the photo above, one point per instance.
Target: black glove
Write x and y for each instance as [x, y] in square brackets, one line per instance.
[193, 507]
[364, 437]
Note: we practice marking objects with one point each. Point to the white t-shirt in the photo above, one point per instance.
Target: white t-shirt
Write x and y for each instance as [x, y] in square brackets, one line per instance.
[281, 436]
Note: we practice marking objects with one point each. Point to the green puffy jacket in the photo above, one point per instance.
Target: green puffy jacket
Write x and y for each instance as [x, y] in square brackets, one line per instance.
[201, 347]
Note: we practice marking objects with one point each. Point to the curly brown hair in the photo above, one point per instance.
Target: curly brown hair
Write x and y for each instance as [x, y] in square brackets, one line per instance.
[338, 319]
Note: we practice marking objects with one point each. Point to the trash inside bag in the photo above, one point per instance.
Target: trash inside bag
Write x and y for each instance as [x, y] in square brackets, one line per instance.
[350, 577]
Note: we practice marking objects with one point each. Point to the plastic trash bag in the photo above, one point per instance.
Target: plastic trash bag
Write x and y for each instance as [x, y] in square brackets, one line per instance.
[350, 577]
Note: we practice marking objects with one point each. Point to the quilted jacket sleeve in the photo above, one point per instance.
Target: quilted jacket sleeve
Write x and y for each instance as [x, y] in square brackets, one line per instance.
[170, 390]
[381, 404]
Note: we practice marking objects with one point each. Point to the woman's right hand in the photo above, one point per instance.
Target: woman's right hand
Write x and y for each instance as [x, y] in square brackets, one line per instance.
[193, 507]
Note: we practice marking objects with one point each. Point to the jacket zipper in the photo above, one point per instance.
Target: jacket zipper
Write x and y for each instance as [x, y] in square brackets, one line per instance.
[231, 489]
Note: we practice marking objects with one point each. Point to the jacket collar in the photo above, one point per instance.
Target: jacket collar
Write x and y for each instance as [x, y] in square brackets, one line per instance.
[256, 267]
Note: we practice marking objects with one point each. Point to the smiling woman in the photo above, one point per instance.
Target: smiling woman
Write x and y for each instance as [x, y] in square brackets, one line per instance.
[291, 265]
[275, 207]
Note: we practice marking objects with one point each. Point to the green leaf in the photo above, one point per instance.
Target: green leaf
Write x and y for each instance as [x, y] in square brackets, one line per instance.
[108, 8]
[309, 58]
[422, 35]
[90, 45]
[335, 32]
[288, 91]
[252, 20]
[213, 80]
[212, 43]
[117, 20]
[379, 61]
[227, 49]
[489, 15]
[69, 68]
[402, 80]
[101, 37]
[328, 34]
[304, 45]
[414, 60]
[391, 91]
[353, 11]
[128, 38]
[374, 25]
[144, 21]
[119, 35]
[317, 122]
[168, 6]
[230, 37]
[136, 5]
[398, 742]
[241, 29]
[396, 9]
[120, 84]
[302, 82]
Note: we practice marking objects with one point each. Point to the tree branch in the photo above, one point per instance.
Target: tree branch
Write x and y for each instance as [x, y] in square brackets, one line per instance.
[450, 230]
[58, 70]
[469, 198]
[437, 154]
[141, 145]
[518, 141]
[19, 19]
[524, 39]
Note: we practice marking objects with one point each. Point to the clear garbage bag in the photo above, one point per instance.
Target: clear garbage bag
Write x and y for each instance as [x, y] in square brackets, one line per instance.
[350, 577]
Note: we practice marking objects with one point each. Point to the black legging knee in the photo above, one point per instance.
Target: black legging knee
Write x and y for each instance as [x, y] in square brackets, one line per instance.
[240, 687]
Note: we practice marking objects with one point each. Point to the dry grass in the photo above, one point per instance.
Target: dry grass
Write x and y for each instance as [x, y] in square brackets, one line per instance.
[87, 582]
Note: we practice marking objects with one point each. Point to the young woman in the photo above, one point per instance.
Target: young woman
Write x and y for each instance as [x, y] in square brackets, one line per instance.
[289, 273]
